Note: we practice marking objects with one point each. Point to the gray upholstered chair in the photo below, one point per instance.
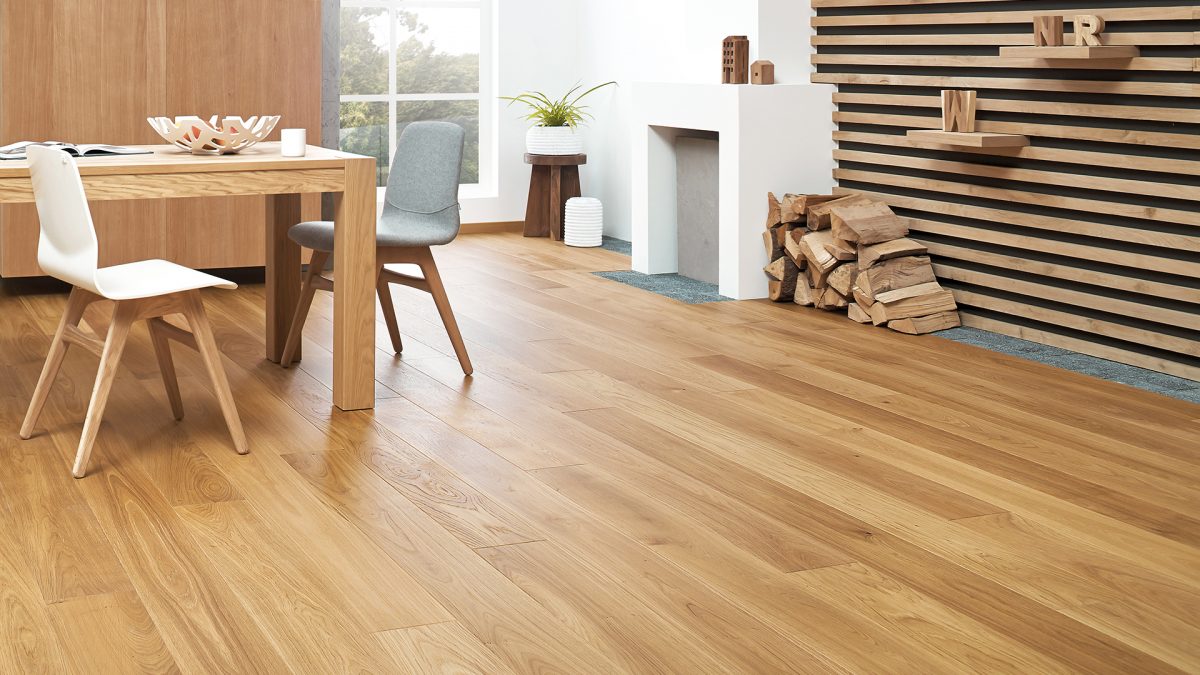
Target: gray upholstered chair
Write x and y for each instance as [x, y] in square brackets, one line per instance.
[420, 210]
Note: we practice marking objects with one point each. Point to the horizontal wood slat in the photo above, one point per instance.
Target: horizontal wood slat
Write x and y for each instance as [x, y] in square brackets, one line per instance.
[1098, 134]
[1083, 346]
[1002, 39]
[1111, 15]
[941, 61]
[1087, 238]
[953, 270]
[1140, 162]
[1183, 89]
[1049, 223]
[1021, 194]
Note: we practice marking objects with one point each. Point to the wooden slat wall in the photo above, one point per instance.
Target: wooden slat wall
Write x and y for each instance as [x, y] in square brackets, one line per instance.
[1089, 238]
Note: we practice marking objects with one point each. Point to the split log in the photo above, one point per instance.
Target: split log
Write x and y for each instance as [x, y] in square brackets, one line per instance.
[921, 305]
[892, 296]
[782, 269]
[831, 300]
[841, 279]
[792, 247]
[781, 291]
[791, 209]
[804, 293]
[774, 214]
[895, 273]
[862, 300]
[866, 223]
[820, 262]
[795, 207]
[842, 250]
[869, 255]
[770, 243]
[857, 313]
[919, 325]
[818, 216]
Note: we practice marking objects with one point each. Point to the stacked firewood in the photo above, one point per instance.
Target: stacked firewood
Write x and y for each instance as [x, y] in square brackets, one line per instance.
[852, 253]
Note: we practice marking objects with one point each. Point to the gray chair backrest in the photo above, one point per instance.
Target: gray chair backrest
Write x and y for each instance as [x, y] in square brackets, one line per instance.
[425, 171]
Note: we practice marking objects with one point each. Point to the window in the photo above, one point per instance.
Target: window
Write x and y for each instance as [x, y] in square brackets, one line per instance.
[409, 60]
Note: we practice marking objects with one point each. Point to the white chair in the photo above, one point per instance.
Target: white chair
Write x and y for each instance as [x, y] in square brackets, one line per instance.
[149, 289]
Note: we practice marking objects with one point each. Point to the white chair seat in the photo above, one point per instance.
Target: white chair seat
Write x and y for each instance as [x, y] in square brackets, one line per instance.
[150, 278]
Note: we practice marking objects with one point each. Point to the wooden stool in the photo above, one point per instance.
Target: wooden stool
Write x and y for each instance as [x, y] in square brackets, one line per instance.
[555, 179]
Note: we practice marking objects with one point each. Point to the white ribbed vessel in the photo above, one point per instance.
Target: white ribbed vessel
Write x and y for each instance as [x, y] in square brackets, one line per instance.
[584, 222]
[553, 141]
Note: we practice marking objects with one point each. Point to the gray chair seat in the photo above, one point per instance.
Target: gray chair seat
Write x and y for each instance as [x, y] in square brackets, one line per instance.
[396, 228]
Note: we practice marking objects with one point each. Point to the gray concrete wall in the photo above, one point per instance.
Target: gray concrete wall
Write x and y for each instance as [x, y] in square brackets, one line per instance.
[698, 182]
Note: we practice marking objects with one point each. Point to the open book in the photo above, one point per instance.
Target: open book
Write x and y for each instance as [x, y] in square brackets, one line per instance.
[17, 150]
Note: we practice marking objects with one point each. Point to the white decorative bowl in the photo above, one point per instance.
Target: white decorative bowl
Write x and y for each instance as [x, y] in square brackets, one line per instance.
[201, 137]
[583, 225]
[553, 141]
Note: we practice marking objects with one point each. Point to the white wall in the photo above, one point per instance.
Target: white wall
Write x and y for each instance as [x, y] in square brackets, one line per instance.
[552, 44]
[670, 41]
[536, 49]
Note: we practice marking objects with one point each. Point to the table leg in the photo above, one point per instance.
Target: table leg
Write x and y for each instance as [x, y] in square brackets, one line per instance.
[354, 289]
[556, 202]
[283, 271]
[537, 209]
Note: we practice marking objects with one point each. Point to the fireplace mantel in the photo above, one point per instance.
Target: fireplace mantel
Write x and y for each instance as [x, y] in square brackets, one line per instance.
[775, 137]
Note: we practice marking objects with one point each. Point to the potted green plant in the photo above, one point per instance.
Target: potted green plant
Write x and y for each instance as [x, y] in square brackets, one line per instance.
[557, 120]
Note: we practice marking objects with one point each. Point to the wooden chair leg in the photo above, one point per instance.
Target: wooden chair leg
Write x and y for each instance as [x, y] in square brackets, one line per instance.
[384, 290]
[166, 366]
[438, 291]
[315, 265]
[118, 331]
[76, 303]
[207, 346]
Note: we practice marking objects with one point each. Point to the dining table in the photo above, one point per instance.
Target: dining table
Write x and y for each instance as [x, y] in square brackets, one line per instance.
[165, 171]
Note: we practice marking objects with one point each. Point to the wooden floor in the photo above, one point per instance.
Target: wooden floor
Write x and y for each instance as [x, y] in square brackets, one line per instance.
[627, 484]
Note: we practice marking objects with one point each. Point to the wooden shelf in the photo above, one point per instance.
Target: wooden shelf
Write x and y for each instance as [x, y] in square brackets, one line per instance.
[1071, 53]
[970, 140]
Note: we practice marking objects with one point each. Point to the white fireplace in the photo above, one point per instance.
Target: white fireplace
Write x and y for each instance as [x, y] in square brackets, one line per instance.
[774, 137]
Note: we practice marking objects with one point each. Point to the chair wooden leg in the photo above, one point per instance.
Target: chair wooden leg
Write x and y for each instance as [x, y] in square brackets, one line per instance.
[123, 318]
[307, 290]
[207, 346]
[438, 291]
[166, 366]
[76, 303]
[384, 290]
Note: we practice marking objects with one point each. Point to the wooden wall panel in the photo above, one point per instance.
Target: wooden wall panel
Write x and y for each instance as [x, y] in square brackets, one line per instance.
[93, 71]
[1087, 239]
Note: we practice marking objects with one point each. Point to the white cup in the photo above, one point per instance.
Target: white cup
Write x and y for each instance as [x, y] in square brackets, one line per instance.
[294, 142]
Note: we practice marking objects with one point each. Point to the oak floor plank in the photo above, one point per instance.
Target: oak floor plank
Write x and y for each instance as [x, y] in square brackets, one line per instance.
[727, 624]
[963, 642]
[290, 592]
[987, 601]
[585, 597]
[492, 609]
[111, 633]
[440, 649]
[773, 596]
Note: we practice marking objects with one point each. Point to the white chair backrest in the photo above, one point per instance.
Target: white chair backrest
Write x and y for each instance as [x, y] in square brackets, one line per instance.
[67, 247]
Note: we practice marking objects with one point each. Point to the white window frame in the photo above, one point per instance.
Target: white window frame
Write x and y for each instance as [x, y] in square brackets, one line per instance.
[487, 185]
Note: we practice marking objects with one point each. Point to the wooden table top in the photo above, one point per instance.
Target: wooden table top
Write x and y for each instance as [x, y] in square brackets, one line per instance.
[170, 159]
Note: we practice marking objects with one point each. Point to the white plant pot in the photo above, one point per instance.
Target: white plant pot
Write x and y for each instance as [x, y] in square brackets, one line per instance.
[553, 141]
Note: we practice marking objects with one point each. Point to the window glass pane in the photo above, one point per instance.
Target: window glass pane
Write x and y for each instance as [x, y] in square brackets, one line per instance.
[462, 113]
[364, 51]
[365, 132]
[437, 50]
